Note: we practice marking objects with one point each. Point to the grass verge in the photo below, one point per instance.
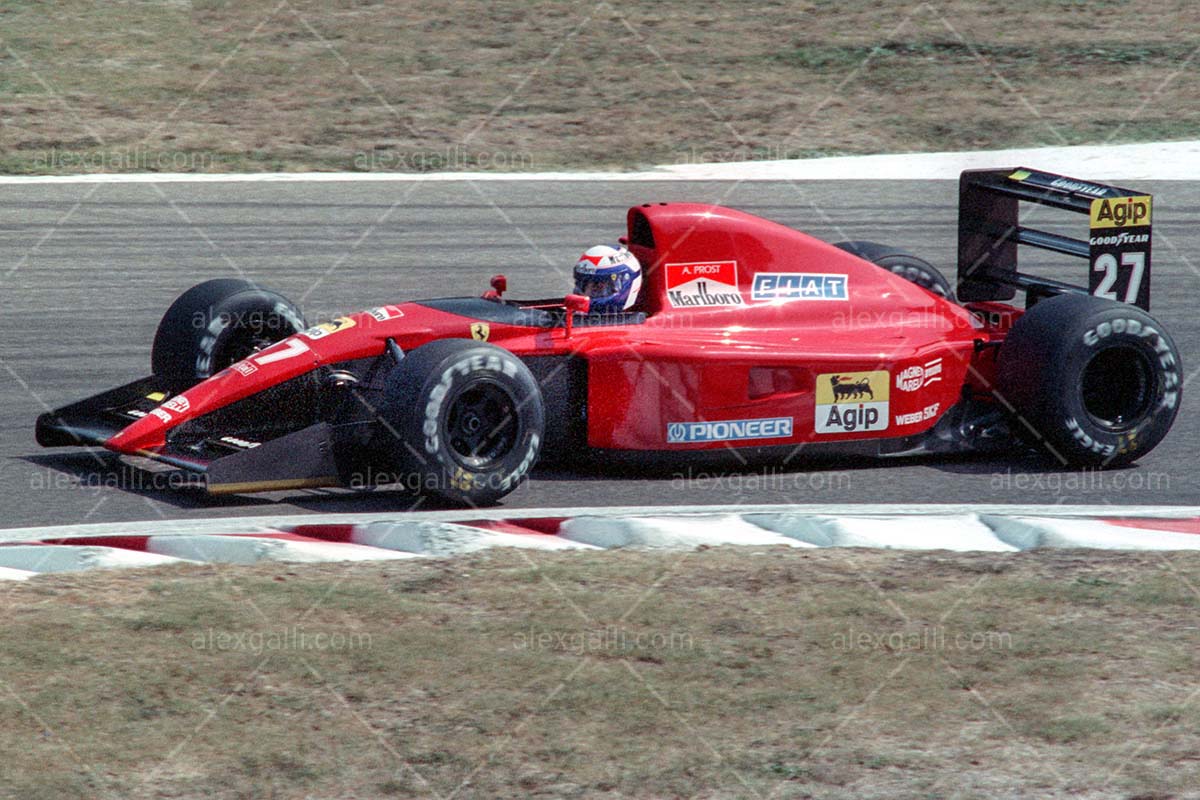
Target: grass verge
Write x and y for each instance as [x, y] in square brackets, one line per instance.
[216, 85]
[719, 673]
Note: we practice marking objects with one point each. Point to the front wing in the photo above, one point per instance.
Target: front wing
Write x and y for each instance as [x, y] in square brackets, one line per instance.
[229, 461]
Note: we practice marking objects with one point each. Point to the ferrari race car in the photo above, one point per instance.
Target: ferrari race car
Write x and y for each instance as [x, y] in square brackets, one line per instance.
[749, 340]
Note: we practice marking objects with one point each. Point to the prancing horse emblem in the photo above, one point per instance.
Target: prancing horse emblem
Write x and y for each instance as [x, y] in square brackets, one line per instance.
[480, 331]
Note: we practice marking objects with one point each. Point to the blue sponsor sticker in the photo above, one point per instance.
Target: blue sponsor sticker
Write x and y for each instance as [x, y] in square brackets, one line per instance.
[729, 430]
[798, 286]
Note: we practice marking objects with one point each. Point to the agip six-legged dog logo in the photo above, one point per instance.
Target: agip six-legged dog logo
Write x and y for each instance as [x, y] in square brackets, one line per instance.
[850, 389]
[847, 402]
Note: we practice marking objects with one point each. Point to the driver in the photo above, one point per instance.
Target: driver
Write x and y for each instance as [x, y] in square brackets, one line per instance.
[610, 276]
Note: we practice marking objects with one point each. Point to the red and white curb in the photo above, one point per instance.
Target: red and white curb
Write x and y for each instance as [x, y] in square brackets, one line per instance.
[1025, 533]
[25, 552]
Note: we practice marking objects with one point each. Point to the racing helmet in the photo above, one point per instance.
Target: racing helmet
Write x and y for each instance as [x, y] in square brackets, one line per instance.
[610, 276]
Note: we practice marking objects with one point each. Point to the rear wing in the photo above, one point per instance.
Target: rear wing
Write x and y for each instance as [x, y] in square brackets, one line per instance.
[989, 233]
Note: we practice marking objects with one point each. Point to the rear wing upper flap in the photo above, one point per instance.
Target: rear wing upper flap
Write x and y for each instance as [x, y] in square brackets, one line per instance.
[990, 231]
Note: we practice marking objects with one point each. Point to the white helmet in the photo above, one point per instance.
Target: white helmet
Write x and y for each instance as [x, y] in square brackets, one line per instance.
[610, 276]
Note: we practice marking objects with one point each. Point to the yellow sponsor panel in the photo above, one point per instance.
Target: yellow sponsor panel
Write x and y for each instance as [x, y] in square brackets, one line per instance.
[339, 324]
[1121, 212]
[853, 387]
[1020, 175]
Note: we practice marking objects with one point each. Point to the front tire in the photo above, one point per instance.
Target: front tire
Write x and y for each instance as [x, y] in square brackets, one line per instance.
[461, 420]
[1096, 380]
[218, 323]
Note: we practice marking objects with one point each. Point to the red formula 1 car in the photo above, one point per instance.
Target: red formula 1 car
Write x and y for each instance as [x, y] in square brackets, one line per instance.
[748, 338]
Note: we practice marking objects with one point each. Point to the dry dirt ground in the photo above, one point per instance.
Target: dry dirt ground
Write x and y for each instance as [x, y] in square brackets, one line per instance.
[219, 85]
[729, 672]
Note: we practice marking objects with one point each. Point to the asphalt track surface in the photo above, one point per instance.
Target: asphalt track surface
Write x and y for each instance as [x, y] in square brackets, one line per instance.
[87, 270]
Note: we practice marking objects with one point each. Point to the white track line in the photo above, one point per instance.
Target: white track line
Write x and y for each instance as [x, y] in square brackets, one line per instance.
[1126, 162]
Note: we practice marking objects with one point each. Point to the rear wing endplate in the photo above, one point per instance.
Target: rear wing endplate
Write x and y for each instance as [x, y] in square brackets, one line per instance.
[990, 231]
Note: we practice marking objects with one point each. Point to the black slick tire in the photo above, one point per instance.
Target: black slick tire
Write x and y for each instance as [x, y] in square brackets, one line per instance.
[462, 421]
[218, 323]
[906, 265]
[1096, 382]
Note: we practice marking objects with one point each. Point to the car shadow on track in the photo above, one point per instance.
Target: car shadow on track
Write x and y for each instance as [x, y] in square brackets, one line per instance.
[97, 469]
[376, 499]
[1023, 464]
[1012, 478]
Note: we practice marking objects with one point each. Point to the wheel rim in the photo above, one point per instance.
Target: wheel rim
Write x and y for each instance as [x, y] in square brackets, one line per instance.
[481, 425]
[1118, 387]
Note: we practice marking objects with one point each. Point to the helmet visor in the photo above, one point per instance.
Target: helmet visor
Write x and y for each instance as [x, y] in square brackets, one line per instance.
[597, 285]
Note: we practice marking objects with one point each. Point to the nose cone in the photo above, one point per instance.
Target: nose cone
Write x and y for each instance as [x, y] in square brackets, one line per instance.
[277, 363]
[150, 432]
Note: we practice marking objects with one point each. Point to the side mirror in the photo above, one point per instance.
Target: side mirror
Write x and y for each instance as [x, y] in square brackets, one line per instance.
[575, 303]
[578, 303]
[500, 284]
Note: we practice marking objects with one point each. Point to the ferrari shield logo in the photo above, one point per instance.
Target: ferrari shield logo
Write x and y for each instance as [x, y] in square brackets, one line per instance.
[480, 331]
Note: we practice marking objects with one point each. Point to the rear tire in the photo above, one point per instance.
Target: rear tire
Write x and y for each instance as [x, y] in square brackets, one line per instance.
[218, 323]
[1096, 380]
[461, 420]
[906, 265]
